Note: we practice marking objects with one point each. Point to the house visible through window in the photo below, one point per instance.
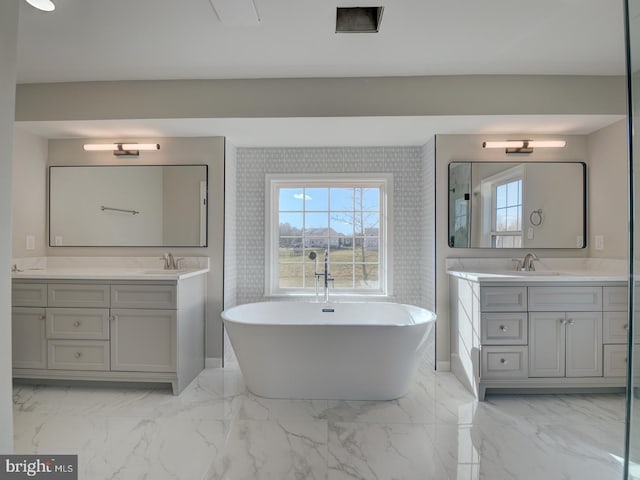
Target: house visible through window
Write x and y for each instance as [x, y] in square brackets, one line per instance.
[343, 217]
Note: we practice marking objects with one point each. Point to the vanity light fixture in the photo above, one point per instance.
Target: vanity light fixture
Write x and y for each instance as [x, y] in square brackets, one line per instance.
[44, 5]
[524, 146]
[121, 149]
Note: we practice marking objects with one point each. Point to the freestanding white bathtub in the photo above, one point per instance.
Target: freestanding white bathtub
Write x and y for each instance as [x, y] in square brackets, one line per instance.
[348, 351]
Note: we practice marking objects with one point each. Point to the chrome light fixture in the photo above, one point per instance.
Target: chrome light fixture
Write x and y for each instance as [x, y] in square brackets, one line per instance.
[121, 149]
[44, 5]
[524, 146]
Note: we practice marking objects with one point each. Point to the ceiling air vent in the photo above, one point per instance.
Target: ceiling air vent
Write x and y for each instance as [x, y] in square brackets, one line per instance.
[358, 19]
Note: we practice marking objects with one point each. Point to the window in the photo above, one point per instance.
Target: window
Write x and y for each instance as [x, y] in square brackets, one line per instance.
[501, 202]
[507, 224]
[344, 215]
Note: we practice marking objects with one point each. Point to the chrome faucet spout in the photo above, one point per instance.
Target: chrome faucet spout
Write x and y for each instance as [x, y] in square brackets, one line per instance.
[527, 263]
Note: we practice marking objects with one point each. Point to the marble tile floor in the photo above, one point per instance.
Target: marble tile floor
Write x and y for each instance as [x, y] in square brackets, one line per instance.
[217, 430]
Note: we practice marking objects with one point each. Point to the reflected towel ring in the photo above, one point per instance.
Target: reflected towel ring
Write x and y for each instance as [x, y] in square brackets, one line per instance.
[536, 217]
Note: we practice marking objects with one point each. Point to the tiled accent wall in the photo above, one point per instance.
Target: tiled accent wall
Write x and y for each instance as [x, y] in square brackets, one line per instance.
[230, 240]
[405, 163]
[428, 222]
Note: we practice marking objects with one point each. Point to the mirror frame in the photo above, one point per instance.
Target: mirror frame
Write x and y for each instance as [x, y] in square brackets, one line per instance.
[51, 241]
[514, 163]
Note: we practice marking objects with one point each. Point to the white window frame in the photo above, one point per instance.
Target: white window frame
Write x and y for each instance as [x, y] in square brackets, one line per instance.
[378, 180]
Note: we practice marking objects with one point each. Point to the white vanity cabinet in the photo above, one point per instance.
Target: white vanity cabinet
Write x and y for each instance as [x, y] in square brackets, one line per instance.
[134, 331]
[538, 336]
[565, 331]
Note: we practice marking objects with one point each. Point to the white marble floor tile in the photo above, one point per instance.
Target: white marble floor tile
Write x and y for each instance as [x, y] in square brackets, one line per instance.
[217, 430]
[382, 452]
[278, 450]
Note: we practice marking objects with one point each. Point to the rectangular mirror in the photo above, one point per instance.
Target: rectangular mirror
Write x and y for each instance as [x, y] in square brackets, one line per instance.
[128, 206]
[517, 205]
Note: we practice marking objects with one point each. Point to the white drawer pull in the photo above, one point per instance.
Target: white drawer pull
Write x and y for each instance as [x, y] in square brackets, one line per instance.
[77, 323]
[503, 361]
[77, 354]
[503, 328]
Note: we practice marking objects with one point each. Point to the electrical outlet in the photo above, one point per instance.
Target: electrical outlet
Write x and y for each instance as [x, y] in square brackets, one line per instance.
[599, 241]
[530, 233]
[31, 242]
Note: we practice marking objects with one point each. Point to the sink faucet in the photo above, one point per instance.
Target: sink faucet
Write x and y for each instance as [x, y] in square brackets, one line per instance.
[527, 263]
[170, 263]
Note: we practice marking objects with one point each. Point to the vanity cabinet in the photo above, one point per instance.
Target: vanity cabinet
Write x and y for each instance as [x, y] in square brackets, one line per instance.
[538, 336]
[97, 330]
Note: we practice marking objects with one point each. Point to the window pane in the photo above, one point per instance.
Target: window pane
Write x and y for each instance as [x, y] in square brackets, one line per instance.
[317, 243]
[316, 199]
[291, 199]
[342, 222]
[290, 249]
[341, 199]
[316, 224]
[501, 220]
[512, 219]
[366, 275]
[342, 275]
[371, 199]
[501, 196]
[342, 254]
[367, 249]
[507, 242]
[310, 278]
[290, 224]
[290, 275]
[513, 193]
[517, 242]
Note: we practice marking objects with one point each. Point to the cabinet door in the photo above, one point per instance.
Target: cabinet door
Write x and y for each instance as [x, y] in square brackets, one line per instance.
[28, 337]
[584, 344]
[143, 340]
[546, 344]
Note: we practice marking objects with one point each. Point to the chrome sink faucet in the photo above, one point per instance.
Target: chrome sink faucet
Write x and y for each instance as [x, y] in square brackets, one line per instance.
[171, 263]
[527, 263]
[325, 275]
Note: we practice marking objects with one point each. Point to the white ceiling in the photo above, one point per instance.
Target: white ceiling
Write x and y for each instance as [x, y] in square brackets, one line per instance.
[84, 40]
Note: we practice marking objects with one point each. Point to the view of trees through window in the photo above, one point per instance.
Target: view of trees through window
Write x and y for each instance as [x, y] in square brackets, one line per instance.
[344, 221]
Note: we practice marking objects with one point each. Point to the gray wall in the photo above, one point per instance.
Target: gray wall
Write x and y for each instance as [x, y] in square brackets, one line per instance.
[8, 49]
[230, 238]
[203, 150]
[428, 222]
[608, 157]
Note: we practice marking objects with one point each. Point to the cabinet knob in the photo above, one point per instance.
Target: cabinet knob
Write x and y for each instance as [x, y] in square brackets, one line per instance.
[625, 359]
[625, 326]
[503, 328]
[43, 317]
[77, 323]
[503, 361]
[571, 323]
[113, 318]
[563, 321]
[77, 354]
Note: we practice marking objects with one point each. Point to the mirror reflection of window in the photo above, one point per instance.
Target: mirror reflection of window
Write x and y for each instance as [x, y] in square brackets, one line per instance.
[507, 231]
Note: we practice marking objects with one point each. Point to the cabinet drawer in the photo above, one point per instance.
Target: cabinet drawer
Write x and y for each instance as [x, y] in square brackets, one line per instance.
[615, 360]
[29, 295]
[576, 299]
[78, 355]
[615, 299]
[143, 296]
[504, 328]
[62, 295]
[615, 327]
[504, 362]
[503, 299]
[78, 323]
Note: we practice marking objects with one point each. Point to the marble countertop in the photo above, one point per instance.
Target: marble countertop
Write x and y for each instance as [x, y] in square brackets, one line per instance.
[557, 270]
[106, 273]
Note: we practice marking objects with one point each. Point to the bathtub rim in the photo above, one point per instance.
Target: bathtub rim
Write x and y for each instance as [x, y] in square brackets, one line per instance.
[430, 316]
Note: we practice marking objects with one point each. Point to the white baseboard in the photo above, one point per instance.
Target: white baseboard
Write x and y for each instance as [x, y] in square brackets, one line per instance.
[212, 362]
[442, 366]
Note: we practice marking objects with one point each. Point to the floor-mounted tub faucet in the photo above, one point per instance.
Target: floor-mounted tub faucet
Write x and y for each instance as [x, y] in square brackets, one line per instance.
[325, 275]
